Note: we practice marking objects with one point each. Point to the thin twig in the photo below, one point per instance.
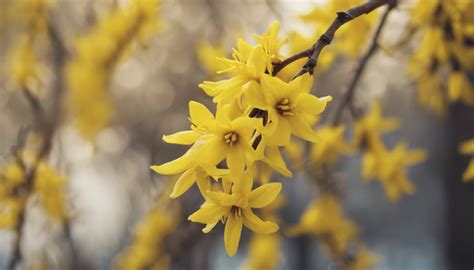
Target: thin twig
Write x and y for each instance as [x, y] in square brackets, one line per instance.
[349, 93]
[326, 38]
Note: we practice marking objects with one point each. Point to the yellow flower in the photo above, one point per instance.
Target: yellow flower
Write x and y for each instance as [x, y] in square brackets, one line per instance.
[148, 242]
[235, 208]
[467, 148]
[330, 147]
[389, 167]
[264, 252]
[325, 218]
[369, 128]
[460, 88]
[271, 44]
[97, 54]
[50, 188]
[11, 178]
[248, 64]
[288, 106]
[214, 140]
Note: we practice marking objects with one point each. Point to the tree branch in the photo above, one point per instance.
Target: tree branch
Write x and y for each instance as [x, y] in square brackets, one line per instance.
[326, 38]
[349, 93]
[47, 128]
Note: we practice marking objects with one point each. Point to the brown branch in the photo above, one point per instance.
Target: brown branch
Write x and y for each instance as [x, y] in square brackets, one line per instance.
[349, 93]
[47, 129]
[326, 38]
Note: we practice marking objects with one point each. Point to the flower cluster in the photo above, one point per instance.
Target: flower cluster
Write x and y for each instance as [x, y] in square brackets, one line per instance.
[446, 51]
[97, 53]
[387, 166]
[17, 186]
[325, 219]
[256, 114]
[23, 62]
[146, 248]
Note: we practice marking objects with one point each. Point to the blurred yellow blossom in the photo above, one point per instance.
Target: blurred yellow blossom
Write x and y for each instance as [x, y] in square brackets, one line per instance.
[390, 166]
[264, 252]
[49, 186]
[324, 218]
[369, 128]
[330, 147]
[146, 250]
[97, 53]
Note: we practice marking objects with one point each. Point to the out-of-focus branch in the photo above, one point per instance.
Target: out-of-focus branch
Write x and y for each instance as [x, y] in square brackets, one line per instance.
[326, 38]
[374, 45]
[48, 124]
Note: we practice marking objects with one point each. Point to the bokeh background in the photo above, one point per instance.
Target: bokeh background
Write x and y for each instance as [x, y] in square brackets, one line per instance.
[111, 187]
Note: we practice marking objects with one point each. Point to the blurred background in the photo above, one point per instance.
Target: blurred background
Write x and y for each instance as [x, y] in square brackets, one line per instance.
[110, 186]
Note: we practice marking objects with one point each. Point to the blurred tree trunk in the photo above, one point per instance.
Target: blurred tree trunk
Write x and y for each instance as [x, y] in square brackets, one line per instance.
[459, 194]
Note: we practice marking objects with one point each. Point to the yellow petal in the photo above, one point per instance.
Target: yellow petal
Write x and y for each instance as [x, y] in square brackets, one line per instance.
[275, 160]
[243, 184]
[467, 147]
[208, 213]
[264, 195]
[209, 227]
[469, 172]
[307, 103]
[415, 157]
[282, 134]
[302, 129]
[200, 114]
[233, 229]
[184, 182]
[306, 82]
[236, 161]
[257, 225]
[184, 137]
[254, 96]
[220, 198]
[175, 166]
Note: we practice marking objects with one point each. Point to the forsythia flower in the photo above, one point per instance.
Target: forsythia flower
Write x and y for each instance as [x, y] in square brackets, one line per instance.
[23, 60]
[444, 49]
[330, 147]
[467, 148]
[288, 105]
[11, 178]
[235, 209]
[97, 53]
[49, 186]
[325, 218]
[369, 128]
[264, 252]
[213, 140]
[389, 167]
[246, 67]
[146, 249]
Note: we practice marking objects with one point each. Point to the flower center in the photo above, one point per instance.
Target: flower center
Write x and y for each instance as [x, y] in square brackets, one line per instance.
[236, 211]
[231, 138]
[284, 107]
